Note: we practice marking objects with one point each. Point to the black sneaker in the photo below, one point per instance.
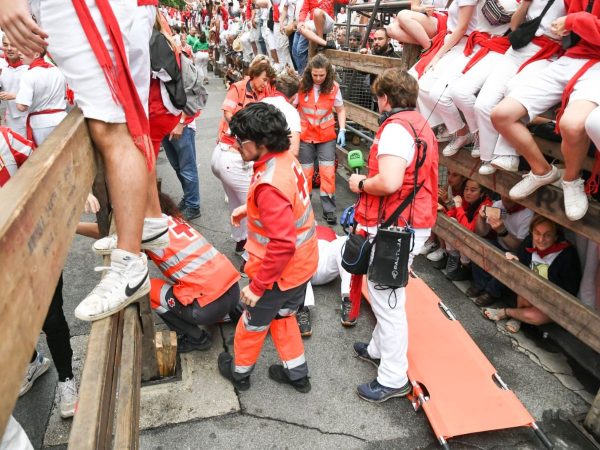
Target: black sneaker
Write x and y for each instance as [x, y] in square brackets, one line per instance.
[181, 205]
[277, 373]
[453, 263]
[303, 318]
[239, 247]
[189, 213]
[346, 308]
[461, 273]
[360, 348]
[225, 364]
[378, 393]
[186, 344]
[330, 218]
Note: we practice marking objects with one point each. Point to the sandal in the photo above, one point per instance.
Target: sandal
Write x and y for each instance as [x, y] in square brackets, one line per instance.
[512, 325]
[494, 314]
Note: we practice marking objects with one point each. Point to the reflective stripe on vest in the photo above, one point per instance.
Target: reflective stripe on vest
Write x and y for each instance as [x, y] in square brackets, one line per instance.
[182, 254]
[194, 264]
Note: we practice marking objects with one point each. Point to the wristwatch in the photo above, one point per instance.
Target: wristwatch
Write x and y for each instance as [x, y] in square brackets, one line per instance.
[361, 185]
[503, 233]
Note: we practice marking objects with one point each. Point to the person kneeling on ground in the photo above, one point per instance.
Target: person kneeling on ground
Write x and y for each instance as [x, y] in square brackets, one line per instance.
[282, 247]
[551, 257]
[202, 287]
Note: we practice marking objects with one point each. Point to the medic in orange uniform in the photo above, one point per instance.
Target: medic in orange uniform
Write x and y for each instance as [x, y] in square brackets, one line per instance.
[282, 247]
[319, 95]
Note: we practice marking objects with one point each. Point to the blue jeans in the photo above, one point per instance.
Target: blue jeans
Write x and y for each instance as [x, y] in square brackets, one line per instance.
[300, 52]
[181, 153]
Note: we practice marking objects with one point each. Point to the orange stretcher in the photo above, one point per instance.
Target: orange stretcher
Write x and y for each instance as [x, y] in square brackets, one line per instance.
[455, 384]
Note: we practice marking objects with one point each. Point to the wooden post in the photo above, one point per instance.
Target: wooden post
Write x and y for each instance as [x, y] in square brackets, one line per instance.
[410, 54]
[166, 352]
[149, 362]
[592, 420]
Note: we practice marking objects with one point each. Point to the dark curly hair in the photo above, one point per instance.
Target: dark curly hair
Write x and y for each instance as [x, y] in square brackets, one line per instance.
[262, 124]
[318, 62]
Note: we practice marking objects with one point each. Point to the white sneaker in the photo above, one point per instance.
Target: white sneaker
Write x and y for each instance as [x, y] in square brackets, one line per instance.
[531, 183]
[438, 255]
[442, 134]
[429, 247]
[67, 398]
[126, 280]
[155, 236]
[456, 144]
[508, 163]
[475, 152]
[35, 369]
[576, 201]
[486, 168]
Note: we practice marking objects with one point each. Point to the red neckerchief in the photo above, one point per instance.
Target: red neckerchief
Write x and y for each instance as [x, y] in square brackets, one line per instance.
[552, 249]
[14, 65]
[40, 62]
[118, 76]
[515, 209]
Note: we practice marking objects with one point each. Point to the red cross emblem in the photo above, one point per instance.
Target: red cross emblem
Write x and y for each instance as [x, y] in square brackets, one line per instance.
[301, 183]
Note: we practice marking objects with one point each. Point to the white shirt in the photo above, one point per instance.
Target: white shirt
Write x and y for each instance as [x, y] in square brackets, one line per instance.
[291, 114]
[453, 15]
[517, 224]
[9, 82]
[556, 10]
[40, 89]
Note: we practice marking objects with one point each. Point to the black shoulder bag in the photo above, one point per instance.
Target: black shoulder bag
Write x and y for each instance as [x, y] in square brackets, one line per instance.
[393, 243]
[573, 38]
[525, 32]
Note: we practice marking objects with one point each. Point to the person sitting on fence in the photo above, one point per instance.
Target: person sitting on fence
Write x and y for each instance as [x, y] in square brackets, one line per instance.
[509, 222]
[455, 186]
[319, 95]
[203, 284]
[316, 20]
[419, 24]
[466, 212]
[547, 253]
[571, 80]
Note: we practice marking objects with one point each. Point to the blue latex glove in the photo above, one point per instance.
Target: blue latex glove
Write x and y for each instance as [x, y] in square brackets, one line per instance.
[341, 138]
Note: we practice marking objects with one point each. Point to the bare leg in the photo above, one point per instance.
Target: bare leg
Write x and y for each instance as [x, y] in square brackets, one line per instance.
[395, 31]
[316, 36]
[575, 141]
[420, 26]
[274, 56]
[506, 117]
[153, 205]
[527, 313]
[127, 178]
[254, 48]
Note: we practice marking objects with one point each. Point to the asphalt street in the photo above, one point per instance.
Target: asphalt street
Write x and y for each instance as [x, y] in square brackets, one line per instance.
[331, 415]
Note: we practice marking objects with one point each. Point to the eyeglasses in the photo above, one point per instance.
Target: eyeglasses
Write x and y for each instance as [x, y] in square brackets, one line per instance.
[241, 143]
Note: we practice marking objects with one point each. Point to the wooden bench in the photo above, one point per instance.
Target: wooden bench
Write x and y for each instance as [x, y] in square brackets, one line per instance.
[41, 208]
[565, 309]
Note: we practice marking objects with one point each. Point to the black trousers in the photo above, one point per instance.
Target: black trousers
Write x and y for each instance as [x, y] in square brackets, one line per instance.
[184, 319]
[58, 335]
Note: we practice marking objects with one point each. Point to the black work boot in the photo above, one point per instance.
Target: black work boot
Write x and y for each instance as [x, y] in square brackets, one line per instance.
[225, 369]
[277, 373]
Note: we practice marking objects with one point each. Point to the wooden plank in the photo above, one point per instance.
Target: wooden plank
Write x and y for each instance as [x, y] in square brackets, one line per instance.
[362, 116]
[127, 416]
[562, 307]
[364, 63]
[166, 352]
[92, 425]
[149, 362]
[41, 206]
[547, 201]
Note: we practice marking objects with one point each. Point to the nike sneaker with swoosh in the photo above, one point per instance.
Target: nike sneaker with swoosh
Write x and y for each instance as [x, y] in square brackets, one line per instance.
[155, 235]
[125, 281]
[35, 369]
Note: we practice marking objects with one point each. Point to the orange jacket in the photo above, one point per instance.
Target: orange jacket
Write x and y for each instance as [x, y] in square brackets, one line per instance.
[198, 270]
[285, 174]
[316, 118]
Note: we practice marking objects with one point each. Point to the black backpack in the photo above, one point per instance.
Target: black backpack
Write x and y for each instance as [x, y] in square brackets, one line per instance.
[162, 59]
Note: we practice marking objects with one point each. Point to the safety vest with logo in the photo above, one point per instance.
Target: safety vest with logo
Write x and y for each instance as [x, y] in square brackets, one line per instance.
[283, 172]
[316, 117]
[373, 210]
[198, 271]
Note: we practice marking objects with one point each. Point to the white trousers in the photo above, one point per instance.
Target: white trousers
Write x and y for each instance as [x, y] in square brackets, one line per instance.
[502, 78]
[17, 124]
[282, 44]
[330, 265]
[389, 341]
[434, 101]
[41, 134]
[14, 437]
[235, 175]
[201, 63]
[592, 126]
[139, 51]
